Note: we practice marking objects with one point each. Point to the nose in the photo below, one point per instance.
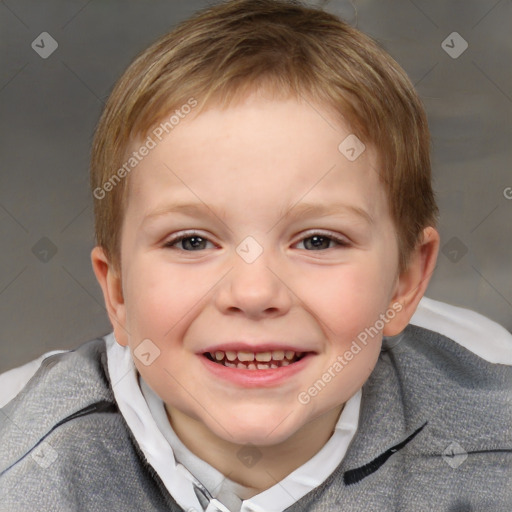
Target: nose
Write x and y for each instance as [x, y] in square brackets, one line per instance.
[255, 289]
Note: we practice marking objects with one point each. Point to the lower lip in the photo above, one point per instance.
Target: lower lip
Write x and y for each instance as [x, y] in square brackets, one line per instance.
[256, 378]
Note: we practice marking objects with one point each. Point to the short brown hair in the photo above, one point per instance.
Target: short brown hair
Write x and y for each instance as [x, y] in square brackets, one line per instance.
[236, 46]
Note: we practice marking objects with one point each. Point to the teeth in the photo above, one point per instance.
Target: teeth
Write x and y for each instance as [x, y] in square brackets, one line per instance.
[275, 359]
[278, 355]
[246, 356]
[264, 356]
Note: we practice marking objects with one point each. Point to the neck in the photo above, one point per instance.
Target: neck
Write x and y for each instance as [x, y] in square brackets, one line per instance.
[275, 462]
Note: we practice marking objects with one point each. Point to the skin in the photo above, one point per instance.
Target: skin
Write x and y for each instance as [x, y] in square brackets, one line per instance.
[250, 164]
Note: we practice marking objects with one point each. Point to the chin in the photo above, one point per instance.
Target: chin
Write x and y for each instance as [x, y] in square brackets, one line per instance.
[256, 429]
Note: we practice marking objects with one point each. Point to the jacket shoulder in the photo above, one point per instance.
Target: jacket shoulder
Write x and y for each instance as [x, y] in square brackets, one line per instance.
[474, 331]
[66, 445]
[64, 384]
[459, 393]
[435, 427]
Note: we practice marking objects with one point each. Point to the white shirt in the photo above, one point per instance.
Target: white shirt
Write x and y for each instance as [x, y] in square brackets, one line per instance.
[284, 493]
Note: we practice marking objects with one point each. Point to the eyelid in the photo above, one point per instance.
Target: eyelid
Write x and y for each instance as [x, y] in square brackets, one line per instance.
[178, 237]
[339, 239]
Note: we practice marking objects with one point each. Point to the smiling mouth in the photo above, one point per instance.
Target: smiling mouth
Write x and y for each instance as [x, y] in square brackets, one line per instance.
[255, 360]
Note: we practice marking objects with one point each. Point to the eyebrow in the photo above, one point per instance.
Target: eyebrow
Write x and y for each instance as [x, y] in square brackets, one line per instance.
[297, 211]
[301, 210]
[191, 208]
[185, 208]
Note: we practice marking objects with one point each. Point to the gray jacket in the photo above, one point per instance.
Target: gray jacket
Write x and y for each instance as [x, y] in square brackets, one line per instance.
[435, 434]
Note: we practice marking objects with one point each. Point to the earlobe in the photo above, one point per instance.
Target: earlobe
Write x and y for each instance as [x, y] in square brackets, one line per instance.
[412, 283]
[111, 285]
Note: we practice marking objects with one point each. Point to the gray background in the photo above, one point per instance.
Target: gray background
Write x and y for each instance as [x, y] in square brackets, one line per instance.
[49, 108]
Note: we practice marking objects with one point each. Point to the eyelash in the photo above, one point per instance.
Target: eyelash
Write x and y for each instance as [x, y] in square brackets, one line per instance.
[190, 234]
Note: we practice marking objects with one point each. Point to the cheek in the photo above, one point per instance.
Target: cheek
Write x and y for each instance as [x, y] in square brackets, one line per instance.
[162, 298]
[348, 298]
[355, 372]
[157, 296]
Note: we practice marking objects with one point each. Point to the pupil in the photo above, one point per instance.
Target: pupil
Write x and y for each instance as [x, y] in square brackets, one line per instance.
[193, 241]
[318, 242]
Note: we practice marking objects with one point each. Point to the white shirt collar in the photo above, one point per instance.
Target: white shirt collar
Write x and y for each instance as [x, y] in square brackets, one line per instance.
[154, 435]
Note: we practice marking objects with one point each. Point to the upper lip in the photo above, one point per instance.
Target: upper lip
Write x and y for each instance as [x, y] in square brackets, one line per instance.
[264, 346]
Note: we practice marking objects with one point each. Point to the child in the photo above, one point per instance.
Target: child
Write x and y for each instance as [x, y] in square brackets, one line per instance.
[265, 230]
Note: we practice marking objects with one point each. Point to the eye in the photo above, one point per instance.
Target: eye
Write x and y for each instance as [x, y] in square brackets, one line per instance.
[320, 241]
[191, 241]
[317, 241]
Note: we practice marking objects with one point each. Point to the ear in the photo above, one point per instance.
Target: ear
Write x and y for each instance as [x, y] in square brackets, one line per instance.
[412, 283]
[111, 285]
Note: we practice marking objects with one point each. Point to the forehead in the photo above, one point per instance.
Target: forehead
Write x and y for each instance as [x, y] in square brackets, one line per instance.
[257, 152]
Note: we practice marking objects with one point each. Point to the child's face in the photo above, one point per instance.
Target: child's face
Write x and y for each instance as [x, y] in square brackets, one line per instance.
[246, 174]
